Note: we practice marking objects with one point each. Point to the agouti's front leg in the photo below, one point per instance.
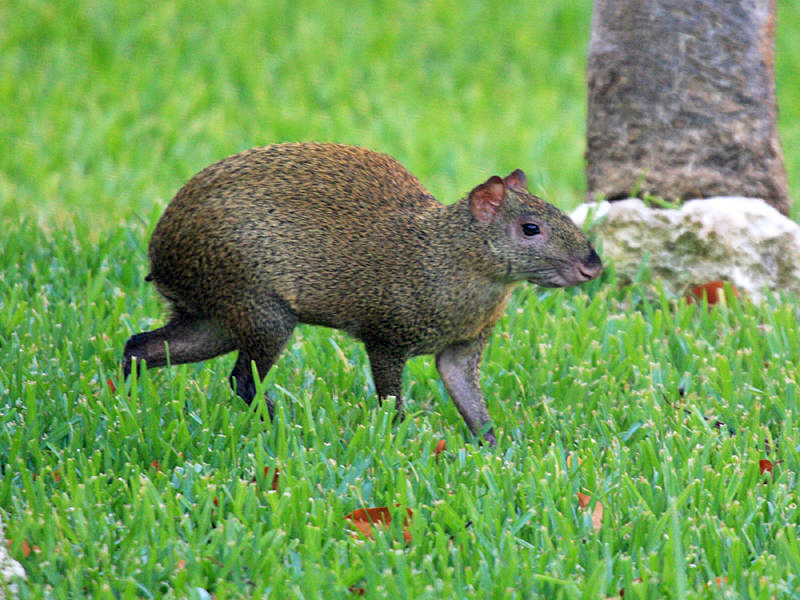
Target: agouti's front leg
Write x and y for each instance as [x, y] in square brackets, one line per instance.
[387, 373]
[458, 367]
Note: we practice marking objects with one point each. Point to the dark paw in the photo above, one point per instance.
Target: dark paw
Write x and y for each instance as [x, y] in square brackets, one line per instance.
[244, 388]
[133, 349]
[127, 365]
[489, 438]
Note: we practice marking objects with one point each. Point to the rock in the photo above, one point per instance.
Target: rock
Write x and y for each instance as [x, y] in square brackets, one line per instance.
[9, 569]
[740, 240]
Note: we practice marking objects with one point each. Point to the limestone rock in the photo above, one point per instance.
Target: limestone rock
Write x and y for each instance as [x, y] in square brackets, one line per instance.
[9, 569]
[740, 240]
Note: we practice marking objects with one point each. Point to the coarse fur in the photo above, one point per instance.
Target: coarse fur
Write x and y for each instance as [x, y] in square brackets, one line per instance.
[345, 237]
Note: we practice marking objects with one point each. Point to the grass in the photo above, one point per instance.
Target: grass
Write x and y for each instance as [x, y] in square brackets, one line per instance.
[162, 493]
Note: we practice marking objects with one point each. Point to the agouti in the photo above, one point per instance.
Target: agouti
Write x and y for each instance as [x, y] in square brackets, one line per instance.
[345, 237]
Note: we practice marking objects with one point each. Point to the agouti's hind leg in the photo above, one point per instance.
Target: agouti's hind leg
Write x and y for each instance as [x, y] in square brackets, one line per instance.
[263, 347]
[184, 339]
[387, 373]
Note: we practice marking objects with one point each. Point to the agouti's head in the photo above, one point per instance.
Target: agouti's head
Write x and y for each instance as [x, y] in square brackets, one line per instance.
[530, 239]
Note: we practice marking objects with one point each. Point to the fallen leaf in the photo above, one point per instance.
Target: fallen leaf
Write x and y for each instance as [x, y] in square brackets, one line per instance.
[622, 590]
[364, 518]
[714, 291]
[274, 485]
[26, 548]
[357, 590]
[597, 513]
[275, 473]
[570, 460]
[597, 517]
[765, 465]
[720, 581]
[440, 446]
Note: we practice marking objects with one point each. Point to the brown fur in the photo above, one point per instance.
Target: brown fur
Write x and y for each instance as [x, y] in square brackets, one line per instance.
[345, 237]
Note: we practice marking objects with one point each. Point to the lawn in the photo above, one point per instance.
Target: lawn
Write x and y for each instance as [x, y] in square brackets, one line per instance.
[677, 426]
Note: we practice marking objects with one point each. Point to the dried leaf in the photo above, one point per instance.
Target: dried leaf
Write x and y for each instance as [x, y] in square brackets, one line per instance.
[597, 513]
[275, 473]
[597, 517]
[274, 485]
[622, 591]
[26, 548]
[357, 590]
[111, 386]
[765, 466]
[440, 446]
[572, 458]
[714, 291]
[719, 581]
[364, 518]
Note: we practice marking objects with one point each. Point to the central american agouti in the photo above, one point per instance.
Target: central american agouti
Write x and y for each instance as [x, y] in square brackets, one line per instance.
[345, 237]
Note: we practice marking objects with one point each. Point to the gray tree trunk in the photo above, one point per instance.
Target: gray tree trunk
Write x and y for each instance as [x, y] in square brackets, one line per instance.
[682, 100]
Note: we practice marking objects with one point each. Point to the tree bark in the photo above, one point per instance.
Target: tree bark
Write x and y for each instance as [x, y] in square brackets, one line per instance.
[682, 101]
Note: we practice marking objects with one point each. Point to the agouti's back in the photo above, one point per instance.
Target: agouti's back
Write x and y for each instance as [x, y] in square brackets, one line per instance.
[317, 223]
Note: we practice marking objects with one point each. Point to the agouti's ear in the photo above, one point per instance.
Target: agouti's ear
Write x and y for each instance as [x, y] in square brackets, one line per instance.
[486, 199]
[516, 179]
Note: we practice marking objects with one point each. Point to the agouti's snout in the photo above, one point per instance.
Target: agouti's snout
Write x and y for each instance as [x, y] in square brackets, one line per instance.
[347, 238]
[589, 267]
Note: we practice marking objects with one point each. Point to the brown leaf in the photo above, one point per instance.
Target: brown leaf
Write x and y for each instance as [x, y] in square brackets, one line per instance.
[572, 458]
[111, 386]
[276, 471]
[155, 465]
[357, 590]
[26, 548]
[440, 446]
[719, 581]
[714, 291]
[597, 513]
[364, 518]
[622, 590]
[274, 485]
[597, 517]
[765, 465]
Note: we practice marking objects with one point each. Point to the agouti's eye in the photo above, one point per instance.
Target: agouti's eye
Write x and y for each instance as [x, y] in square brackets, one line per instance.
[530, 229]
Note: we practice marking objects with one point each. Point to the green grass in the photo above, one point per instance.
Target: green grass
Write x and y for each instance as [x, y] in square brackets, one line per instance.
[109, 107]
[114, 105]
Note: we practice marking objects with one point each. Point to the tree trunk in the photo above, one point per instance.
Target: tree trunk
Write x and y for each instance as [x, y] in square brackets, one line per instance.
[682, 101]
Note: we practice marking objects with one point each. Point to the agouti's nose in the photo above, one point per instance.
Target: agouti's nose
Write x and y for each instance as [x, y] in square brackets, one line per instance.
[591, 266]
